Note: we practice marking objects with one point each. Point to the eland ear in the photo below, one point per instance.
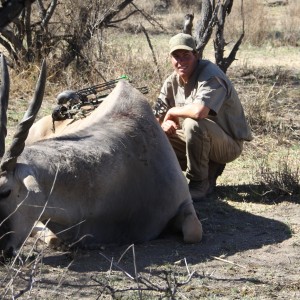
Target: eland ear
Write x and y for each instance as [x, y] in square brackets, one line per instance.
[31, 184]
[10, 157]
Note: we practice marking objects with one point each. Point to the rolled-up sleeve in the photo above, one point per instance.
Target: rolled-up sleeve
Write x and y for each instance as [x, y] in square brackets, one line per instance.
[212, 93]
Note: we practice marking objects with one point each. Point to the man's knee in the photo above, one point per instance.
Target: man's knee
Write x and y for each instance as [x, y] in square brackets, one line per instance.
[191, 126]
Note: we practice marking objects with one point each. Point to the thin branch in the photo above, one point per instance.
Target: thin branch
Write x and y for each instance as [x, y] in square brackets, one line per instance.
[49, 13]
[125, 18]
[148, 17]
[232, 56]
[228, 262]
[31, 280]
[117, 266]
[28, 28]
[152, 51]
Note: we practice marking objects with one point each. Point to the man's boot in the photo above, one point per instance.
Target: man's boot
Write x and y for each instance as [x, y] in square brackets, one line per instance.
[214, 171]
[198, 189]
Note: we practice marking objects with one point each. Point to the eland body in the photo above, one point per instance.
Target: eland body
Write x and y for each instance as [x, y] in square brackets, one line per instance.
[112, 178]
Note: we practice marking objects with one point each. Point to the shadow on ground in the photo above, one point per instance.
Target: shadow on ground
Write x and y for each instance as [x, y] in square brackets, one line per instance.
[255, 193]
[227, 231]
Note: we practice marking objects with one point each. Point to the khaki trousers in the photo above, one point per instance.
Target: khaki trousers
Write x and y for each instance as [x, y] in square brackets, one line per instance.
[200, 141]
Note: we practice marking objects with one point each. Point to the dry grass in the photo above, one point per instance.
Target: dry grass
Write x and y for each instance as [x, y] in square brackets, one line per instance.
[277, 26]
[283, 180]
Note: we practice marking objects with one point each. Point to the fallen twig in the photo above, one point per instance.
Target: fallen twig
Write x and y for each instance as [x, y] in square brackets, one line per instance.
[228, 261]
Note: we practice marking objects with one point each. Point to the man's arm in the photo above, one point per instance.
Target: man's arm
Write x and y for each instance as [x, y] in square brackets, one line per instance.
[171, 120]
[194, 111]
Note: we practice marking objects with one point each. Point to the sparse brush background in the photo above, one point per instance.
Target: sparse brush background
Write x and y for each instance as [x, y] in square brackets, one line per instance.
[266, 75]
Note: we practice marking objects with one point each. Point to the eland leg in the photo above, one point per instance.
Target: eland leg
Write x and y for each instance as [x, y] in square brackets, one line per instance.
[188, 222]
[45, 235]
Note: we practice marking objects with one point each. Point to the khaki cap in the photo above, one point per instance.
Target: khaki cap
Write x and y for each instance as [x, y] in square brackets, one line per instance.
[182, 41]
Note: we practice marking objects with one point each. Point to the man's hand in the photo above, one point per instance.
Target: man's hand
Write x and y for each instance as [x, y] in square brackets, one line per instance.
[171, 116]
[171, 121]
[169, 127]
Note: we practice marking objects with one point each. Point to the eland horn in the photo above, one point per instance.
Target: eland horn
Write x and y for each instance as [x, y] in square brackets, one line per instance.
[4, 95]
[11, 155]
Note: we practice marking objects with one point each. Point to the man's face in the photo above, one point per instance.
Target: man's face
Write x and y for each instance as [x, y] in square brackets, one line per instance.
[184, 63]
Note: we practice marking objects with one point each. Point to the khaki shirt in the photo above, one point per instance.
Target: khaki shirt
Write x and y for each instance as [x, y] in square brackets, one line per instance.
[209, 86]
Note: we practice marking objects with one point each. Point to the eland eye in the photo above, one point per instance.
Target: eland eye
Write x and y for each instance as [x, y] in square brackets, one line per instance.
[4, 194]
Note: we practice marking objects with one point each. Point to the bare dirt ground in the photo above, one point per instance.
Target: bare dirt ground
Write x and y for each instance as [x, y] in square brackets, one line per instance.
[249, 251]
